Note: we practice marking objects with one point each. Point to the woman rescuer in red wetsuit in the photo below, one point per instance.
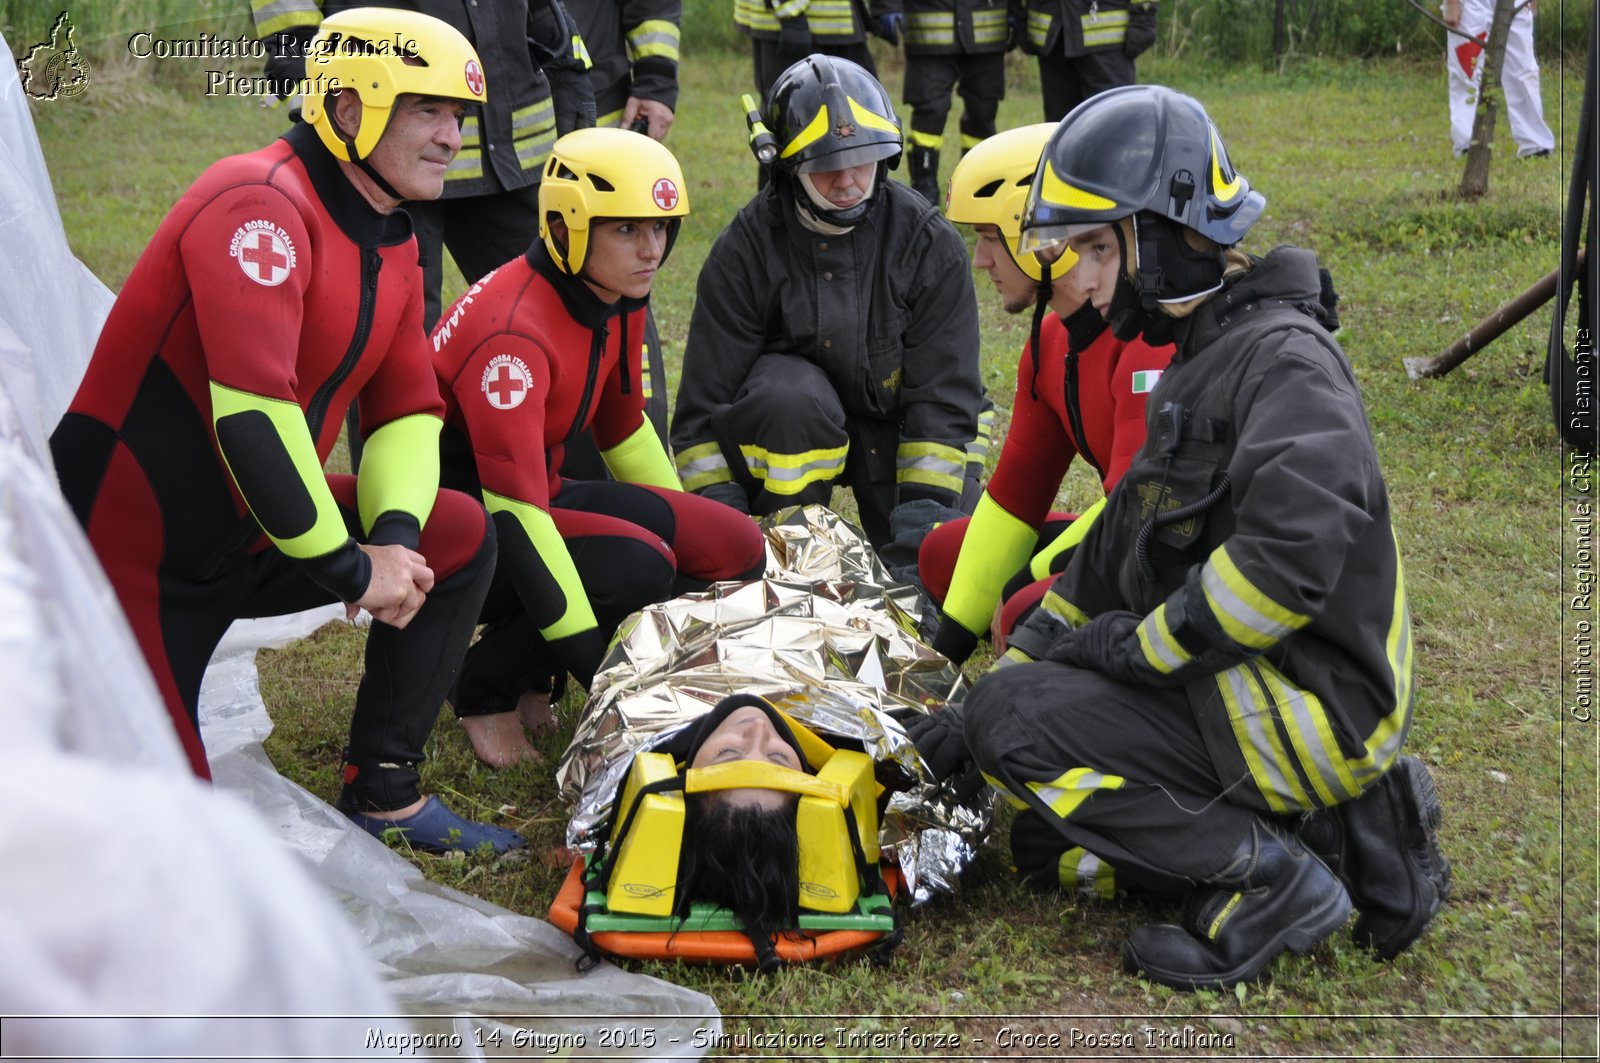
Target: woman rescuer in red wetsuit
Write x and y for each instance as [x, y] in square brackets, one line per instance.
[530, 357]
[1080, 393]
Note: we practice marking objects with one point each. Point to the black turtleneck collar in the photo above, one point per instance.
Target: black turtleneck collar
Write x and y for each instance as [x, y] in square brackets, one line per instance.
[585, 307]
[344, 202]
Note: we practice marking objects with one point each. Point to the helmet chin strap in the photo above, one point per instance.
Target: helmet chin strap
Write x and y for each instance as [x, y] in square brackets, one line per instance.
[377, 178]
[1041, 302]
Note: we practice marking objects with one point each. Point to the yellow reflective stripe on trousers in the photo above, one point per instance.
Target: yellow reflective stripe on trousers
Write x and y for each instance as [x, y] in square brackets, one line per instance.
[1082, 871]
[1163, 652]
[1383, 744]
[654, 37]
[925, 140]
[702, 465]
[1248, 616]
[968, 142]
[1102, 29]
[789, 474]
[400, 469]
[1072, 788]
[1316, 748]
[931, 464]
[1255, 728]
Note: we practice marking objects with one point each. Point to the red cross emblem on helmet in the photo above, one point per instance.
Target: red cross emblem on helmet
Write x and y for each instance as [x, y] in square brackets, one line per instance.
[474, 75]
[665, 193]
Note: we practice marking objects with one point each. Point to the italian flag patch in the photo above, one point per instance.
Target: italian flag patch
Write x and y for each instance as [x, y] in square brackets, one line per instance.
[1145, 380]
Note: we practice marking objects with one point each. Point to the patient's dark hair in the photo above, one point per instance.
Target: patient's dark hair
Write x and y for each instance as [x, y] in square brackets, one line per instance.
[744, 857]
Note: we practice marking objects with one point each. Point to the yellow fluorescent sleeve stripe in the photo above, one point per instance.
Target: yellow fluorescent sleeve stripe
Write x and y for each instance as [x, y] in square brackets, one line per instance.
[641, 459]
[400, 469]
[995, 546]
[1163, 652]
[1248, 616]
[1071, 789]
[1064, 609]
[546, 539]
[328, 533]
[1039, 567]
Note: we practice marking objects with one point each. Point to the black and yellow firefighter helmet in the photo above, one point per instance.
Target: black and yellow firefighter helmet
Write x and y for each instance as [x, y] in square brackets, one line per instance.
[830, 114]
[1132, 149]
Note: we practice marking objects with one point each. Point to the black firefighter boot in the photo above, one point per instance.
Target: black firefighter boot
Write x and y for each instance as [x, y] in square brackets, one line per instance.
[1273, 895]
[925, 174]
[1384, 845]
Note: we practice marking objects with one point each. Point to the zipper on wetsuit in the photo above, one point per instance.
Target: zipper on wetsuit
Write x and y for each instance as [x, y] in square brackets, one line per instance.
[1075, 415]
[597, 350]
[371, 263]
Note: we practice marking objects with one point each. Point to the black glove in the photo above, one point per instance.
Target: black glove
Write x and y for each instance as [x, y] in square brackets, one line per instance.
[729, 494]
[794, 36]
[1141, 30]
[940, 738]
[888, 26]
[1016, 30]
[572, 97]
[286, 61]
[909, 524]
[1105, 644]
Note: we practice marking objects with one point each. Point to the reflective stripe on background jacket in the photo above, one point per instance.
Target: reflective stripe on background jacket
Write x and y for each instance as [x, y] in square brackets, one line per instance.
[1076, 27]
[951, 27]
[634, 47]
[886, 310]
[829, 21]
[505, 146]
[1281, 607]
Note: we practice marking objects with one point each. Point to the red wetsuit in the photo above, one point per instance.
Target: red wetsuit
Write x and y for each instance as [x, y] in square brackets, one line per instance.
[529, 359]
[1087, 400]
[269, 298]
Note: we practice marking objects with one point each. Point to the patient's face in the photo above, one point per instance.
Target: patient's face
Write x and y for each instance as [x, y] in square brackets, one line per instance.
[747, 734]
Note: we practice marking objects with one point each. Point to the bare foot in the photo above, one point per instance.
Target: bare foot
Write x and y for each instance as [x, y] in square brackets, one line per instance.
[498, 739]
[534, 708]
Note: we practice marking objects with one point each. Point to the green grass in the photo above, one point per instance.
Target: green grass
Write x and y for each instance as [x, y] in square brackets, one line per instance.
[1355, 161]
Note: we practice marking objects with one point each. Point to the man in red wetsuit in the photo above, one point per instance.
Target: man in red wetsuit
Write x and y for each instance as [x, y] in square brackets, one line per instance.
[529, 359]
[1080, 391]
[283, 285]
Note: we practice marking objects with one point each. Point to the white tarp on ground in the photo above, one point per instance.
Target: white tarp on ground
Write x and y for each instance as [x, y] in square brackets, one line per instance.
[133, 892]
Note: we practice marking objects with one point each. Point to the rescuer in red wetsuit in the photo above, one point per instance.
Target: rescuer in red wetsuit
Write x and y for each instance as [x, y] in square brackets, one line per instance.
[530, 358]
[283, 285]
[1080, 393]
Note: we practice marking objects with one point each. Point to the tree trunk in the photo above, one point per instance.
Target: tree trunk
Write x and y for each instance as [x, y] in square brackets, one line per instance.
[1475, 178]
[1279, 15]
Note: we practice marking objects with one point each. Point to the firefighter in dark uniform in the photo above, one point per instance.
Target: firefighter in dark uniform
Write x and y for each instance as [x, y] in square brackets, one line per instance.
[835, 335]
[1225, 666]
[1080, 394]
[530, 358]
[280, 288]
[783, 32]
[1085, 47]
[633, 49]
[950, 43]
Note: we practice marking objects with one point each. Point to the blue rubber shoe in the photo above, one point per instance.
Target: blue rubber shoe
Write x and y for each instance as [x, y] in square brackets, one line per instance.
[436, 829]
